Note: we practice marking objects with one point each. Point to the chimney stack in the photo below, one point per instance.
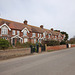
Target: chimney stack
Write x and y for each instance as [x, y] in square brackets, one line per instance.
[41, 26]
[58, 30]
[51, 29]
[25, 22]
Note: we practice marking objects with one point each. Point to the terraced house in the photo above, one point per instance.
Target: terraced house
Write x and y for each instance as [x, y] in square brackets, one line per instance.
[23, 32]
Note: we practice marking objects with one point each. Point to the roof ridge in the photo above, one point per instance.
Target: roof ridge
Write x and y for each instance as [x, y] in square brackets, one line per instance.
[39, 27]
[10, 20]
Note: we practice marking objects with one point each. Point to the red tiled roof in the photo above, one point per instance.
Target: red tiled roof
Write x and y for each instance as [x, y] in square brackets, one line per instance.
[20, 26]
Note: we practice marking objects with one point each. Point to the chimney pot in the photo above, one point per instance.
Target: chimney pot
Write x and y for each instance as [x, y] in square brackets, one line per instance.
[25, 22]
[51, 29]
[41, 26]
[58, 30]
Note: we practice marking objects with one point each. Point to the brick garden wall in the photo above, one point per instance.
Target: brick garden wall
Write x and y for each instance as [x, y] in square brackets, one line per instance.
[5, 54]
[73, 45]
[56, 47]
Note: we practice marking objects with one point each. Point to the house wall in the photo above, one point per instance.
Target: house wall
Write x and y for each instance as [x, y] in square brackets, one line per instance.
[29, 36]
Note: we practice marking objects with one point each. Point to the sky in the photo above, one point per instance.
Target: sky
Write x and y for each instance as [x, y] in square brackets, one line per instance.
[56, 14]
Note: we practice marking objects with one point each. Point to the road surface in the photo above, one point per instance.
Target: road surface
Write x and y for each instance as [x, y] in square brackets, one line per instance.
[49, 63]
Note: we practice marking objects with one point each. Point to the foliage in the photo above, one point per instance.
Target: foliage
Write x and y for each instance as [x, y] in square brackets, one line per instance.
[51, 42]
[66, 35]
[72, 41]
[62, 43]
[4, 44]
[23, 45]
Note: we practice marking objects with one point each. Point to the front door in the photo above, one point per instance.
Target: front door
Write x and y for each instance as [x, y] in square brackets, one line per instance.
[13, 41]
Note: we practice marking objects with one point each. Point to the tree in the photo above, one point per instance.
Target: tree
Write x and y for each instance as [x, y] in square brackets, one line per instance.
[62, 42]
[72, 40]
[66, 36]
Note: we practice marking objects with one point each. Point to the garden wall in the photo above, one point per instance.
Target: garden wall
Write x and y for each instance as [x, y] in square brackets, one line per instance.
[55, 47]
[73, 45]
[10, 53]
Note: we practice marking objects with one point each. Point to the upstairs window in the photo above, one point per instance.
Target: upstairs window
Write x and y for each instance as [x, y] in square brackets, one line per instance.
[33, 34]
[59, 35]
[4, 30]
[13, 32]
[38, 34]
[55, 36]
[49, 35]
[18, 32]
[44, 35]
[25, 33]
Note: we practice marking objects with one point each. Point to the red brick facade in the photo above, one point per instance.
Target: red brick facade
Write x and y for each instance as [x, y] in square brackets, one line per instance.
[27, 33]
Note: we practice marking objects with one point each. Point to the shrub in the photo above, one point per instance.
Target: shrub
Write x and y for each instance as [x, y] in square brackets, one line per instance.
[51, 42]
[18, 45]
[4, 44]
[23, 45]
[62, 43]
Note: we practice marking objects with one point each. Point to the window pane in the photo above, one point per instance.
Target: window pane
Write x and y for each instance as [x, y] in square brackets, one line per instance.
[17, 32]
[25, 33]
[13, 32]
[33, 34]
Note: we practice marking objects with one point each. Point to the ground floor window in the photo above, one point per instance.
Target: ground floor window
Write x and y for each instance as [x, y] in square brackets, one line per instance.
[25, 40]
[40, 40]
[18, 39]
[4, 38]
[34, 40]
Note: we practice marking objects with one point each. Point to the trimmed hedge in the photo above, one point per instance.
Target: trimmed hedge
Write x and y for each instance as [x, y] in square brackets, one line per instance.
[51, 42]
[63, 43]
[4, 44]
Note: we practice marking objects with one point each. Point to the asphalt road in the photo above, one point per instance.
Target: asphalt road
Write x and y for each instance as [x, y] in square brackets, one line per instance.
[50, 63]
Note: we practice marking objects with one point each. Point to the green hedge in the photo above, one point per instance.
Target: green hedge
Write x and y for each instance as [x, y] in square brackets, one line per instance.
[4, 44]
[51, 42]
[25, 45]
[62, 42]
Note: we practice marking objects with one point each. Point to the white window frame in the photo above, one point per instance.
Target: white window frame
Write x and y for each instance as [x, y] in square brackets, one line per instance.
[59, 36]
[25, 33]
[34, 40]
[4, 30]
[4, 38]
[38, 34]
[33, 34]
[44, 35]
[25, 40]
[13, 32]
[18, 32]
[49, 35]
[55, 36]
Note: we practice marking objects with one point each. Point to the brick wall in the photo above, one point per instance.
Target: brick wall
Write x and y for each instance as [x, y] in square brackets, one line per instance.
[5, 54]
[73, 45]
[56, 47]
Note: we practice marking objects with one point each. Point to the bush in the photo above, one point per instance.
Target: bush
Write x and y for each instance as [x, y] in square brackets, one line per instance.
[62, 42]
[23, 45]
[4, 44]
[51, 42]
